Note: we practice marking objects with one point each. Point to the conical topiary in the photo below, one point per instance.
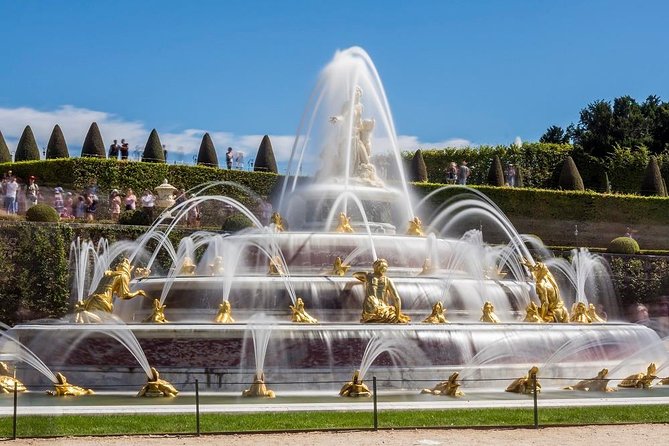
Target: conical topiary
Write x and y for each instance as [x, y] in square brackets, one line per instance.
[418, 168]
[5, 156]
[26, 149]
[57, 147]
[153, 151]
[570, 178]
[652, 181]
[265, 161]
[207, 154]
[496, 173]
[93, 145]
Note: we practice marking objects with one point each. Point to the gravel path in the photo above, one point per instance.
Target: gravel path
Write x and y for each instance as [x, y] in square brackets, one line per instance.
[642, 434]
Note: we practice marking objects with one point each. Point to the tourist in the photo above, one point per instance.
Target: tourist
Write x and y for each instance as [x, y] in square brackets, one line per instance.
[194, 217]
[11, 188]
[148, 203]
[463, 173]
[239, 160]
[452, 173]
[229, 156]
[32, 192]
[130, 200]
[115, 205]
[511, 175]
[69, 207]
[58, 202]
[79, 207]
[113, 150]
[90, 205]
[125, 149]
[165, 152]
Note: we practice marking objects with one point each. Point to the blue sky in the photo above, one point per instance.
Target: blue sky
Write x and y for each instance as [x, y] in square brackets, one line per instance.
[482, 72]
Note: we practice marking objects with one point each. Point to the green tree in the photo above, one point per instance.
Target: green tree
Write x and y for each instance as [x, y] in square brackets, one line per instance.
[265, 160]
[418, 168]
[5, 155]
[153, 151]
[57, 147]
[207, 154]
[652, 181]
[93, 145]
[555, 135]
[496, 173]
[26, 149]
[594, 132]
[570, 178]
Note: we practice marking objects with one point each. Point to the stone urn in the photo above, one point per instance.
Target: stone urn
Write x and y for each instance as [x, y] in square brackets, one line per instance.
[165, 194]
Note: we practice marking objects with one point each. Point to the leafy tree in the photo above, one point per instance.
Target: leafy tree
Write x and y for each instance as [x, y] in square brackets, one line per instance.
[652, 182]
[57, 147]
[26, 149]
[554, 135]
[496, 173]
[153, 151]
[594, 132]
[418, 168]
[5, 156]
[93, 145]
[570, 178]
[265, 160]
[207, 154]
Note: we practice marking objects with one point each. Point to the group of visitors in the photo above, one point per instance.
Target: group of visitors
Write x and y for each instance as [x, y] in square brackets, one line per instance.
[16, 196]
[234, 159]
[123, 149]
[657, 318]
[458, 174]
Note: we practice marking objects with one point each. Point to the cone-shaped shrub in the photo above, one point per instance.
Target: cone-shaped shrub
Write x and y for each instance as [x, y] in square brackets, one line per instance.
[570, 178]
[57, 147]
[153, 151]
[93, 145]
[26, 149]
[207, 154]
[265, 161]
[5, 156]
[652, 180]
[418, 169]
[496, 173]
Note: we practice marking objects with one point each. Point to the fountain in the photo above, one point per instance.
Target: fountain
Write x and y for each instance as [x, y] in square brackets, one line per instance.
[386, 314]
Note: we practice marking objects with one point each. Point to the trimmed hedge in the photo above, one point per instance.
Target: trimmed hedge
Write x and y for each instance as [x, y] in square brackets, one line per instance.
[623, 245]
[42, 212]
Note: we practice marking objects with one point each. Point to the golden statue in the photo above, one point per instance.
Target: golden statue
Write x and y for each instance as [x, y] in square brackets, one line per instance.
[63, 388]
[276, 267]
[379, 293]
[489, 313]
[224, 315]
[438, 315]
[188, 267]
[300, 315]
[594, 317]
[258, 389]
[355, 388]
[451, 387]
[641, 380]
[216, 268]
[155, 386]
[114, 282]
[344, 224]
[141, 273]
[532, 314]
[278, 222]
[338, 268]
[552, 307]
[415, 227]
[525, 384]
[664, 381]
[7, 381]
[597, 384]
[579, 313]
[157, 316]
[427, 268]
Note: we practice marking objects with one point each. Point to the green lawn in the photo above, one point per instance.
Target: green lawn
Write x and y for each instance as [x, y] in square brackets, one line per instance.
[36, 426]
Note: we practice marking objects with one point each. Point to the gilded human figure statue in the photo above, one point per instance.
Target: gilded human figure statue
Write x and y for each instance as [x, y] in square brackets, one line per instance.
[579, 313]
[63, 388]
[156, 387]
[157, 315]
[552, 307]
[338, 267]
[415, 227]
[7, 381]
[278, 222]
[224, 315]
[115, 282]
[451, 387]
[382, 302]
[594, 317]
[300, 315]
[532, 314]
[438, 315]
[344, 224]
[489, 315]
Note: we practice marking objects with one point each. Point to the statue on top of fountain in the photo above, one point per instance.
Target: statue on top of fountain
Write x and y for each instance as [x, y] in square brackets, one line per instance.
[551, 307]
[379, 293]
[114, 282]
[360, 141]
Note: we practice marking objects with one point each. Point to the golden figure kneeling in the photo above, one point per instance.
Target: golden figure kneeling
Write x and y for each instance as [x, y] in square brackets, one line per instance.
[8, 382]
[63, 388]
[355, 388]
[258, 389]
[641, 380]
[157, 315]
[489, 315]
[597, 384]
[156, 387]
[344, 224]
[224, 315]
[379, 293]
[451, 387]
[525, 384]
[114, 282]
[438, 315]
[300, 315]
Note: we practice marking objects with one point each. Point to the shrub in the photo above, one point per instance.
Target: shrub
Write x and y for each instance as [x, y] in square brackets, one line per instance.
[265, 160]
[652, 181]
[42, 212]
[57, 147]
[93, 145]
[570, 178]
[136, 218]
[496, 173]
[623, 245]
[153, 151]
[26, 149]
[207, 154]
[5, 156]
[418, 168]
[236, 222]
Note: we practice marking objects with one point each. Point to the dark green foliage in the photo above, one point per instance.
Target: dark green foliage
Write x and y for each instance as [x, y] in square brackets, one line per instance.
[5, 155]
[639, 279]
[265, 161]
[93, 145]
[496, 173]
[236, 222]
[153, 151]
[418, 168]
[42, 212]
[623, 245]
[135, 218]
[57, 147]
[570, 178]
[555, 135]
[652, 181]
[26, 149]
[520, 182]
[207, 154]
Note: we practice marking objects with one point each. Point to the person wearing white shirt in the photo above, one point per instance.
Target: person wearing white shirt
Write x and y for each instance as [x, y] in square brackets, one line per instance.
[148, 201]
[11, 189]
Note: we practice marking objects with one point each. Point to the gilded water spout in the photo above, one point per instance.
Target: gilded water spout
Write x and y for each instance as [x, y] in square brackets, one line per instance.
[489, 315]
[438, 315]
[641, 380]
[451, 387]
[9, 382]
[216, 268]
[344, 225]
[427, 268]
[338, 268]
[157, 315]
[415, 227]
[157, 387]
[258, 389]
[275, 267]
[63, 388]
[300, 315]
[278, 222]
[188, 267]
[525, 384]
[355, 388]
[224, 315]
[596, 384]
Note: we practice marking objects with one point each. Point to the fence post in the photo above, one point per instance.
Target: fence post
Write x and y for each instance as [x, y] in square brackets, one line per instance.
[16, 400]
[376, 414]
[534, 395]
[197, 406]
